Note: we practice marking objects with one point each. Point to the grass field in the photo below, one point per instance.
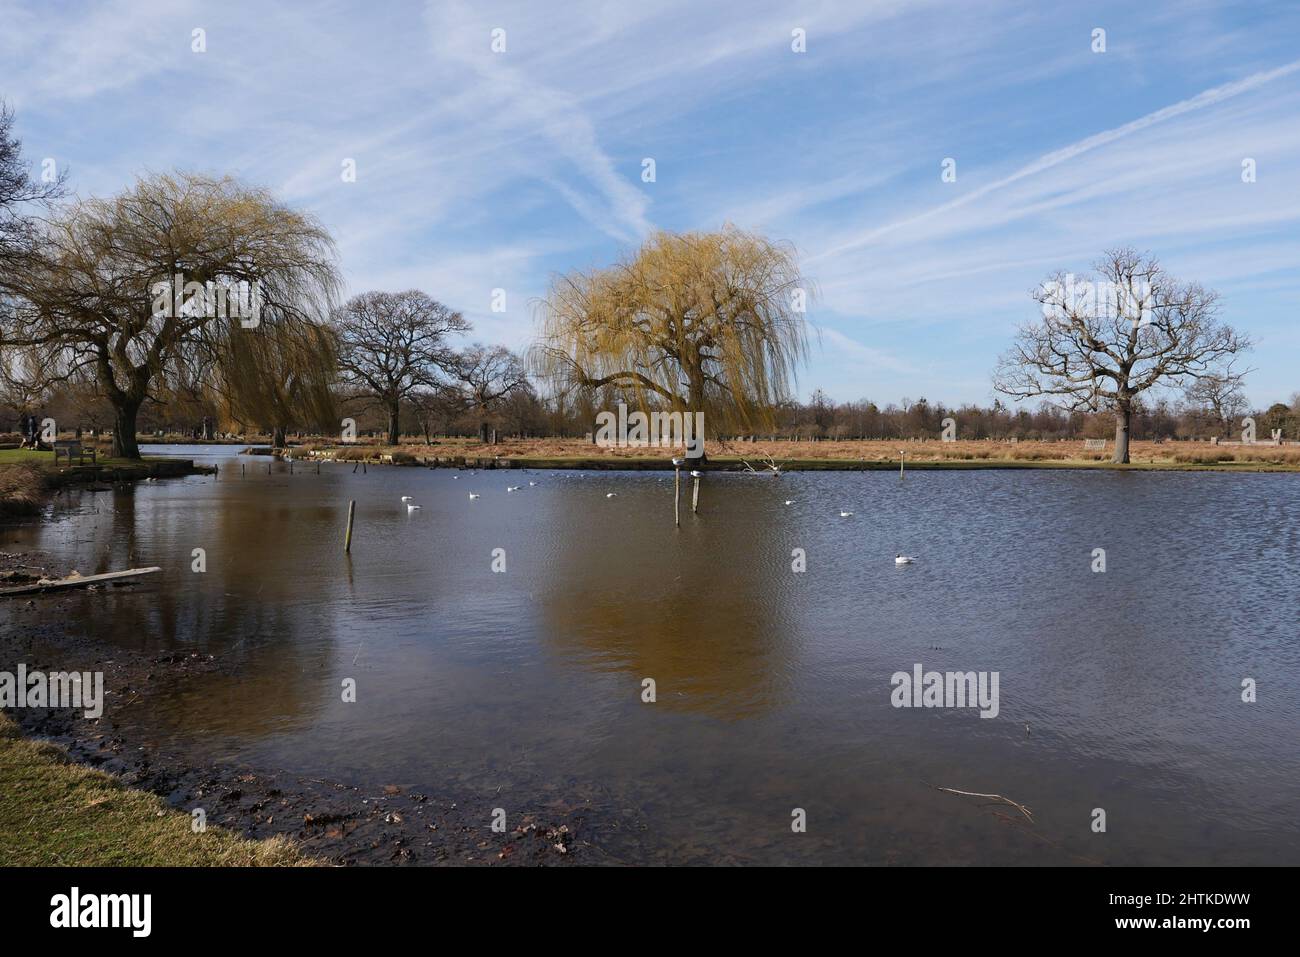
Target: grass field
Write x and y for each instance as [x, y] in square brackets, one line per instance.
[851, 453]
[56, 813]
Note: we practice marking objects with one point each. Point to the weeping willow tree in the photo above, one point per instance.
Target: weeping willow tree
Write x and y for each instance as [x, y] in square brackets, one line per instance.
[695, 322]
[276, 376]
[124, 287]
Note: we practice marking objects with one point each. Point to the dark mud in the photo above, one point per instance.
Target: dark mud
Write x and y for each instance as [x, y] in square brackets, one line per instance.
[336, 822]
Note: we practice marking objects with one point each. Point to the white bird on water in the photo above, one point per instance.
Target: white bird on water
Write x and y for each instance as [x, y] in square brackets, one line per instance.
[844, 514]
[412, 508]
[789, 501]
[513, 488]
[407, 498]
[903, 560]
[473, 495]
[530, 484]
[610, 494]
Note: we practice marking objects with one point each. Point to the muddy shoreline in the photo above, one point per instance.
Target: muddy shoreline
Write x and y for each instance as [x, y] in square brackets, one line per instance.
[335, 822]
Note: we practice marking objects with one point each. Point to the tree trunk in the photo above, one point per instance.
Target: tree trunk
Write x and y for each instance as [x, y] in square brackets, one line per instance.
[124, 416]
[1123, 415]
[278, 438]
[393, 430]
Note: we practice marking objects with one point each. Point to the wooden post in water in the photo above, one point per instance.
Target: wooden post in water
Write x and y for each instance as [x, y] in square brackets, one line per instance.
[695, 495]
[676, 492]
[347, 538]
[902, 453]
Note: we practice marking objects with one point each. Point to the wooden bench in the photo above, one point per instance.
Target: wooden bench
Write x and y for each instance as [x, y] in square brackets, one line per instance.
[70, 447]
[1094, 445]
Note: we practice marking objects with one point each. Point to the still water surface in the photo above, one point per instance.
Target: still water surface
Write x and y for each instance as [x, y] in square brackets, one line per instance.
[1119, 690]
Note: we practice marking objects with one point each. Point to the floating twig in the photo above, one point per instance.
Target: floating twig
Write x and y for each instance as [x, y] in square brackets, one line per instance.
[994, 797]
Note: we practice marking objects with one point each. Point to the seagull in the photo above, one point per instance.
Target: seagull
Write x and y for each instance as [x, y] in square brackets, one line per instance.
[513, 488]
[846, 514]
[789, 501]
[532, 484]
[677, 463]
[903, 560]
[407, 498]
[412, 508]
[695, 474]
[610, 494]
[473, 495]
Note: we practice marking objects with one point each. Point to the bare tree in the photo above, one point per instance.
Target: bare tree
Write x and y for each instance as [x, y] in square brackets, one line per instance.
[1101, 343]
[17, 192]
[1220, 393]
[485, 375]
[393, 346]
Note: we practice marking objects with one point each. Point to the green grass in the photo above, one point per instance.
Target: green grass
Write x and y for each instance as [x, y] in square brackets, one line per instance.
[11, 456]
[56, 813]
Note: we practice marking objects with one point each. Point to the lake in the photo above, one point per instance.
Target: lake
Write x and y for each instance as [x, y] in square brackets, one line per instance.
[1119, 690]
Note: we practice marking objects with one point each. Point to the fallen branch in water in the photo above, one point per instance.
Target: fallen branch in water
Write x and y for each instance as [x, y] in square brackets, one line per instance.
[996, 797]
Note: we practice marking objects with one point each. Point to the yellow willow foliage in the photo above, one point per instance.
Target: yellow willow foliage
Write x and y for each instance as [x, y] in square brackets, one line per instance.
[709, 322]
[278, 375]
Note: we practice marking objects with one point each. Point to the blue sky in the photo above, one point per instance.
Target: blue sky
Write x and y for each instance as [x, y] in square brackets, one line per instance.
[479, 170]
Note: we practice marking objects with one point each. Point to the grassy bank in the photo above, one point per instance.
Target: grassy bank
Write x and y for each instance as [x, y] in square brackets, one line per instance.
[855, 455]
[54, 812]
[27, 476]
[23, 487]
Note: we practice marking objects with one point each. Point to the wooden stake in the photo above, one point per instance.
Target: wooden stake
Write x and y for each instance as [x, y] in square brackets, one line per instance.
[347, 538]
[677, 497]
[695, 496]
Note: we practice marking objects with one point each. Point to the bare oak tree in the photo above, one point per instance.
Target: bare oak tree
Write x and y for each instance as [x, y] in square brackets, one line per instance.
[1221, 395]
[1102, 342]
[485, 375]
[393, 346]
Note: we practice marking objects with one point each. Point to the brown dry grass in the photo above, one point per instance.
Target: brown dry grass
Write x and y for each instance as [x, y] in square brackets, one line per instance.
[931, 450]
[22, 488]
